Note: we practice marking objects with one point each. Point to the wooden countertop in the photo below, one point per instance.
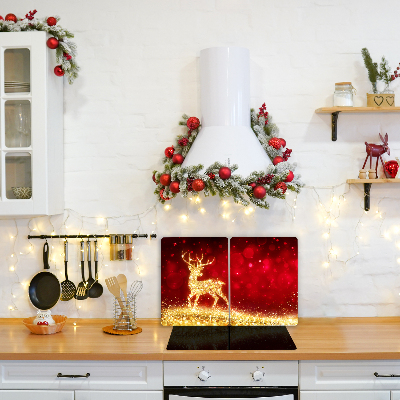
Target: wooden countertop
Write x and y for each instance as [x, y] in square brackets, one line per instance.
[315, 338]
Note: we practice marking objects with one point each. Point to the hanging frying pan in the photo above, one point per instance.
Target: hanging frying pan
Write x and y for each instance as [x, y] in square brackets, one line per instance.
[44, 289]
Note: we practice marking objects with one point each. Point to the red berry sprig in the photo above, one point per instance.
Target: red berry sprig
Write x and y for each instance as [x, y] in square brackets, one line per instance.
[395, 74]
[189, 182]
[31, 15]
[286, 154]
[265, 179]
[263, 113]
[183, 142]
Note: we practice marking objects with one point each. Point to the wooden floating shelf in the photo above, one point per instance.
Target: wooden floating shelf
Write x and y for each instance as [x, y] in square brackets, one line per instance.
[378, 180]
[336, 110]
[330, 110]
[367, 187]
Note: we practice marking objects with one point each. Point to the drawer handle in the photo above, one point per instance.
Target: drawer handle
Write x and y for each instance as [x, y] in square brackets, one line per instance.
[60, 375]
[386, 376]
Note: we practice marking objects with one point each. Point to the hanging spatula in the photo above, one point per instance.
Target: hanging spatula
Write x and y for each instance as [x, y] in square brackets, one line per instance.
[81, 290]
[68, 289]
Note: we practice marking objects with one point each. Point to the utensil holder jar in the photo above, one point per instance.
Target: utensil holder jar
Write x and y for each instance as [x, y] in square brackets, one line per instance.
[125, 314]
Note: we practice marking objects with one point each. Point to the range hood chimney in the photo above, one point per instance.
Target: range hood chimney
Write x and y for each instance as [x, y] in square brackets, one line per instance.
[226, 135]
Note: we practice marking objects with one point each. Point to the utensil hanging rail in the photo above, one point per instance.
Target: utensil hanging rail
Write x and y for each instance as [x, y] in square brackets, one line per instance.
[134, 236]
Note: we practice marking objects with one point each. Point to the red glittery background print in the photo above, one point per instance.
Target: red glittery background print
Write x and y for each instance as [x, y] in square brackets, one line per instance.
[196, 266]
[264, 281]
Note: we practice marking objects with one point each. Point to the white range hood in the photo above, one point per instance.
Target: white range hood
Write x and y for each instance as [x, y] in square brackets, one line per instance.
[225, 106]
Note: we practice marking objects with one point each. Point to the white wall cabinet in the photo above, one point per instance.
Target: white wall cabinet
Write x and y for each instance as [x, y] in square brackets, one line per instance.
[345, 395]
[31, 127]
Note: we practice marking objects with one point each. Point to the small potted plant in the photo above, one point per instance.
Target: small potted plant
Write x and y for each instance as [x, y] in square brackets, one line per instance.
[386, 97]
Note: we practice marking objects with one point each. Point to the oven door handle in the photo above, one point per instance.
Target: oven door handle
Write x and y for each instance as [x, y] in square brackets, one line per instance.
[386, 376]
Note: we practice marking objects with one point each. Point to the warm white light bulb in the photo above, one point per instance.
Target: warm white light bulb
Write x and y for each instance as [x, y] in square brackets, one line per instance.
[12, 268]
[325, 235]
[326, 264]
[167, 207]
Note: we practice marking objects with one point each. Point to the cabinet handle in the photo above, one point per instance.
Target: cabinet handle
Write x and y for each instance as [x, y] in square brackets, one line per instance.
[386, 376]
[60, 375]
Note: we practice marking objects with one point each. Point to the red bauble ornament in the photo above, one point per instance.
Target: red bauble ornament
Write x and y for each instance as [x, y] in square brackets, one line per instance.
[283, 142]
[198, 185]
[11, 17]
[51, 21]
[165, 179]
[290, 177]
[154, 179]
[1, 18]
[193, 123]
[162, 196]
[174, 187]
[282, 186]
[391, 169]
[169, 151]
[177, 158]
[252, 184]
[52, 43]
[59, 71]
[275, 143]
[277, 160]
[259, 192]
[225, 173]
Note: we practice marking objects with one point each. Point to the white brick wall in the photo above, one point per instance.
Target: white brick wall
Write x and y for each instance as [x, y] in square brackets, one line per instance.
[139, 74]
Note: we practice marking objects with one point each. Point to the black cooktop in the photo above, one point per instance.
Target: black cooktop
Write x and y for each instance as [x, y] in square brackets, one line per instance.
[230, 338]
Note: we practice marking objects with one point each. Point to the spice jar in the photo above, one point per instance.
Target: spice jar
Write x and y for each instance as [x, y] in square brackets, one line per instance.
[343, 96]
[128, 247]
[113, 247]
[120, 247]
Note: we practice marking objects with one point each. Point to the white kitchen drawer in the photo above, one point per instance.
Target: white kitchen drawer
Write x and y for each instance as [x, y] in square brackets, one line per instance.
[345, 395]
[116, 395]
[35, 395]
[104, 375]
[395, 395]
[230, 373]
[348, 375]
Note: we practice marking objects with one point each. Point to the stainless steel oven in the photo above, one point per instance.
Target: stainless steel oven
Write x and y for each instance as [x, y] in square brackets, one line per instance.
[237, 380]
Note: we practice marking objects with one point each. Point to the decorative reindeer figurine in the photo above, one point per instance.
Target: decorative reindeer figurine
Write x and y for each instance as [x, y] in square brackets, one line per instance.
[213, 287]
[376, 150]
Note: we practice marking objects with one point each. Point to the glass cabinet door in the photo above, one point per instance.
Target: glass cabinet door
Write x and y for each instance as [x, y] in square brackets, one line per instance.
[16, 125]
[17, 67]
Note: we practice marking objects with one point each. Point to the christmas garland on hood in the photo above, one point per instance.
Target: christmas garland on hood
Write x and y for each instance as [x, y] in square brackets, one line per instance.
[65, 48]
[218, 178]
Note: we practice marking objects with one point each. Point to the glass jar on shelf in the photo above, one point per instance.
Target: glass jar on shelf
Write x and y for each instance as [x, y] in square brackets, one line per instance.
[343, 95]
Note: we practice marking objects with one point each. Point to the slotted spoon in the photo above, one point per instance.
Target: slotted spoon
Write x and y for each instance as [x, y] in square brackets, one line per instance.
[115, 290]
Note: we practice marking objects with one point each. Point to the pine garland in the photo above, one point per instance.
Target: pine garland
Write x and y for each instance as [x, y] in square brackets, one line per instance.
[66, 50]
[236, 186]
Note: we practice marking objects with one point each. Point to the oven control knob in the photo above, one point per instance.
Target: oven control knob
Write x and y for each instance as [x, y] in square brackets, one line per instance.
[257, 375]
[204, 375]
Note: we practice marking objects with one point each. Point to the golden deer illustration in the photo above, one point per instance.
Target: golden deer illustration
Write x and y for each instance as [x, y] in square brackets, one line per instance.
[213, 287]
